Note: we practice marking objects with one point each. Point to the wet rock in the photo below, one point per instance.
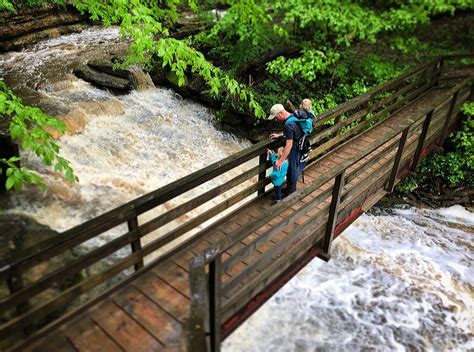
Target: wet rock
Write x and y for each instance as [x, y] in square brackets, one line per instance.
[101, 79]
[103, 74]
[29, 26]
[31, 38]
[107, 66]
[140, 80]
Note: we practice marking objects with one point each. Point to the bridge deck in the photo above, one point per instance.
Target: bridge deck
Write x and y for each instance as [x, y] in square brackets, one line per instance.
[150, 312]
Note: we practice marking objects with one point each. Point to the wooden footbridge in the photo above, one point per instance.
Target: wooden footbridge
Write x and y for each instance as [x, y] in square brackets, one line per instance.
[191, 284]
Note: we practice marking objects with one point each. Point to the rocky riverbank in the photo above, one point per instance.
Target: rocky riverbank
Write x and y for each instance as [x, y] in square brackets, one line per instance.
[31, 25]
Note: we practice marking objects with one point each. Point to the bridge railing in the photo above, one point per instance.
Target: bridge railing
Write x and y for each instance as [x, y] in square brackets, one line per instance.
[214, 283]
[42, 298]
[360, 113]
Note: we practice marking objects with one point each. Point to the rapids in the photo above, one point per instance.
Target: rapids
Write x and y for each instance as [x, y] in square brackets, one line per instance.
[399, 280]
[120, 146]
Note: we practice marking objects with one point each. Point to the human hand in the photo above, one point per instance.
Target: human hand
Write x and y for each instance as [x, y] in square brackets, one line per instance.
[278, 164]
[274, 135]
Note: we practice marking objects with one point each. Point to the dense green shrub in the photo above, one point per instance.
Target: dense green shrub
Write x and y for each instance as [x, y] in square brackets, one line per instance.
[452, 167]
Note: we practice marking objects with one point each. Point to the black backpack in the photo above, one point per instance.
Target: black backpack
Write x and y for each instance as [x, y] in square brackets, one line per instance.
[304, 147]
[304, 144]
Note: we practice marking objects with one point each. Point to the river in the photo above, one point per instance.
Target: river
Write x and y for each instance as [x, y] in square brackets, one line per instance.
[399, 279]
[120, 146]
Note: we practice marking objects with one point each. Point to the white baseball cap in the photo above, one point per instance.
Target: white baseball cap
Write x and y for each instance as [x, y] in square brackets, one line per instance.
[277, 108]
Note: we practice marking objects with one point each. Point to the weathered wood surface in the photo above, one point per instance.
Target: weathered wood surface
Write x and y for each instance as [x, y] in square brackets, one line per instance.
[152, 310]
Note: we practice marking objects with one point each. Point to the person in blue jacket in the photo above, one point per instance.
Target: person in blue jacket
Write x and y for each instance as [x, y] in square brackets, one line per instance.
[278, 174]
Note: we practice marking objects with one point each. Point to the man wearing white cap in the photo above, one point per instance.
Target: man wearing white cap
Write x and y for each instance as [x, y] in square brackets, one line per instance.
[292, 133]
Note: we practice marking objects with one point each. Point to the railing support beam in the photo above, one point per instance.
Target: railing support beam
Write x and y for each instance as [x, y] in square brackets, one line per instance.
[215, 304]
[444, 132]
[398, 158]
[262, 163]
[421, 141]
[137, 244]
[332, 219]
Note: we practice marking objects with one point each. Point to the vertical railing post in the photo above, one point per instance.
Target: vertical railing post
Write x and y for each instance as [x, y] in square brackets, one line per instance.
[262, 167]
[437, 71]
[398, 158]
[215, 304]
[332, 219]
[444, 131]
[198, 316]
[136, 244]
[15, 283]
[421, 141]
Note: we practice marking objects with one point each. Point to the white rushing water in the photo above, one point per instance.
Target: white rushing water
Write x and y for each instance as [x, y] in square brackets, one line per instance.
[120, 146]
[398, 280]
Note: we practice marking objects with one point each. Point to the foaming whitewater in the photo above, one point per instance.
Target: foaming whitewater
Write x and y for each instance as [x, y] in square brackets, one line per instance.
[398, 280]
[120, 147]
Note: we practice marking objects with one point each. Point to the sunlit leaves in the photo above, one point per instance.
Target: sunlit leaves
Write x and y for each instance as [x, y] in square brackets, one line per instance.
[28, 126]
[307, 66]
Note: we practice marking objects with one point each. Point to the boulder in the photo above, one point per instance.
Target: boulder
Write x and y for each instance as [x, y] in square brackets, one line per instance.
[103, 74]
[101, 79]
[107, 66]
[140, 80]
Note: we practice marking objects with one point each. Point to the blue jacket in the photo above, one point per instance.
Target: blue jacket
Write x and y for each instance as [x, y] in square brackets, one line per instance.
[278, 176]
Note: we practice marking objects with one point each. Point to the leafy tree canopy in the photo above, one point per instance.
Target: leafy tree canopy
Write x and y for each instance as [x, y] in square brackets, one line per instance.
[319, 30]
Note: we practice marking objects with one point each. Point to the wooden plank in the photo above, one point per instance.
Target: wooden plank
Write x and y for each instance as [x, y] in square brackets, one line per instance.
[263, 166]
[123, 329]
[55, 343]
[198, 322]
[256, 284]
[372, 161]
[86, 335]
[174, 276]
[151, 316]
[170, 299]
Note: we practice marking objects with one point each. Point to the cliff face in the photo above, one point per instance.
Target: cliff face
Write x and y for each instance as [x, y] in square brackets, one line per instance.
[29, 26]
